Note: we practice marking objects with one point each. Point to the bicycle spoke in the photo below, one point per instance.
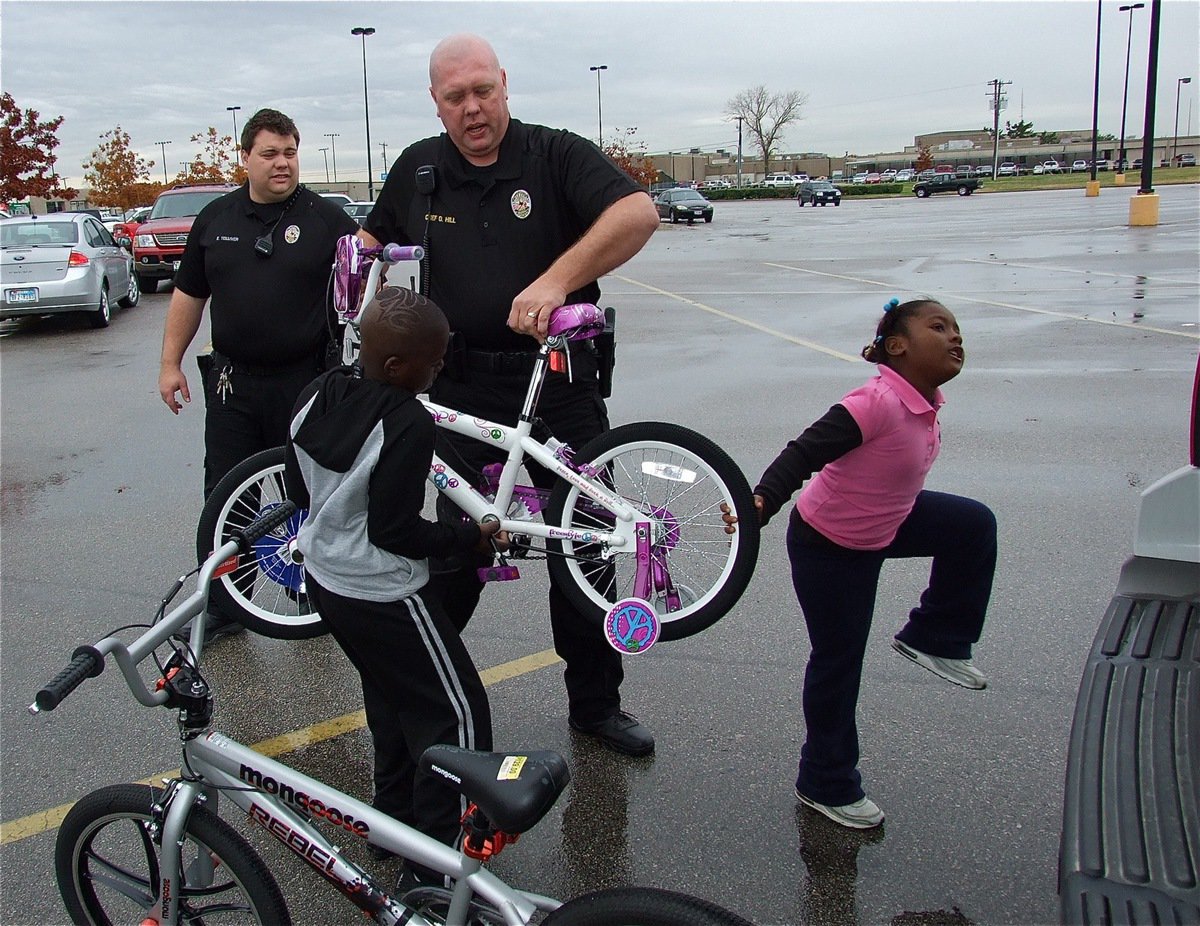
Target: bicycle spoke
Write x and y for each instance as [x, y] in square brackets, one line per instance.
[124, 882]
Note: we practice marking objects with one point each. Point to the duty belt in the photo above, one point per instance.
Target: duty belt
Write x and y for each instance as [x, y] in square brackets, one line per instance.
[221, 361]
[513, 361]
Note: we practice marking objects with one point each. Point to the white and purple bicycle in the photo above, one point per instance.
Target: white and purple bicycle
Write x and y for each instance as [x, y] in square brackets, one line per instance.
[635, 529]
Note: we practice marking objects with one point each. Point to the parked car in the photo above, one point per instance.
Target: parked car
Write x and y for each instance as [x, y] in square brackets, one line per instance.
[873, 177]
[945, 183]
[818, 192]
[340, 198]
[801, 177]
[944, 169]
[983, 170]
[64, 262]
[778, 181]
[926, 173]
[1079, 164]
[359, 210]
[1185, 160]
[1008, 169]
[1103, 164]
[1137, 164]
[964, 170]
[905, 175]
[716, 185]
[860, 177]
[688, 205]
[159, 242]
[1051, 167]
[128, 227]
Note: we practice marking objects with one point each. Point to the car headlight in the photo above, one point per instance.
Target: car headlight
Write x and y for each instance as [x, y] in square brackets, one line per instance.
[144, 241]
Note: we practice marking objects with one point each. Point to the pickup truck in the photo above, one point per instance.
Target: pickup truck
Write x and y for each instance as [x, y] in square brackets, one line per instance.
[945, 183]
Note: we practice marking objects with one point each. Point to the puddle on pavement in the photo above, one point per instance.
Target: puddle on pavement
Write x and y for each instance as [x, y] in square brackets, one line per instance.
[20, 498]
[1139, 292]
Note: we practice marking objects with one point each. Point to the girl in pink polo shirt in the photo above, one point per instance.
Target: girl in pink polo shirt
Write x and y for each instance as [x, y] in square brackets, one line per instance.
[867, 503]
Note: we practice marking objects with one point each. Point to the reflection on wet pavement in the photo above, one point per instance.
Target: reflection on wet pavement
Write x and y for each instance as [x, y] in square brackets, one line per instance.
[595, 840]
[830, 852]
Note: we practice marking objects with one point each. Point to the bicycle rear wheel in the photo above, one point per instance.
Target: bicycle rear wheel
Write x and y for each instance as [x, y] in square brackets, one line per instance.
[641, 906]
[269, 595]
[679, 479]
[106, 862]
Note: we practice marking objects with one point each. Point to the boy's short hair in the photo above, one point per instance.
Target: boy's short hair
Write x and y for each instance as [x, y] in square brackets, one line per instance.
[410, 316]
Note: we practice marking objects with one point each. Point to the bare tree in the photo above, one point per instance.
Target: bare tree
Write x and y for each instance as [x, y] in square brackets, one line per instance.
[766, 115]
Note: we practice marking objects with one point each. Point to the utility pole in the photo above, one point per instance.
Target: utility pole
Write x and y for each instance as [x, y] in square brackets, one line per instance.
[739, 119]
[998, 101]
[163, 145]
[325, 151]
[331, 136]
[383, 145]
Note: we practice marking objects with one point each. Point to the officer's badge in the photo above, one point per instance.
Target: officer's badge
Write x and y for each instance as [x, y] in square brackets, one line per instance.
[522, 205]
[292, 234]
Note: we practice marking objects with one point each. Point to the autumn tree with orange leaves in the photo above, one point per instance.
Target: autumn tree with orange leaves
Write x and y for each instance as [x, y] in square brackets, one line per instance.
[213, 164]
[630, 156]
[117, 176]
[27, 155]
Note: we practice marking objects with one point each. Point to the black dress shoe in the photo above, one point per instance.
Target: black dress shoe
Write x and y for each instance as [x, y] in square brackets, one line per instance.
[621, 732]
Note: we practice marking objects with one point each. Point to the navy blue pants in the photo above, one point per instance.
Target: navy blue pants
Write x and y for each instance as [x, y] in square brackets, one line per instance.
[836, 589]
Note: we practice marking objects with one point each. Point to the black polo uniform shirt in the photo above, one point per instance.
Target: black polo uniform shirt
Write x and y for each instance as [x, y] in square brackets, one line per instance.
[491, 231]
[265, 311]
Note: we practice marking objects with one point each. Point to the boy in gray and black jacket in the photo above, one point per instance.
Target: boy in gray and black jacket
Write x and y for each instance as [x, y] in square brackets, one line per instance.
[359, 450]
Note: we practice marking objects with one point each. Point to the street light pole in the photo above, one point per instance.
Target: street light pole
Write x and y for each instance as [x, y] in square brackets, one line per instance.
[1125, 97]
[236, 140]
[599, 107]
[163, 145]
[364, 31]
[1092, 190]
[325, 152]
[1175, 142]
[333, 144]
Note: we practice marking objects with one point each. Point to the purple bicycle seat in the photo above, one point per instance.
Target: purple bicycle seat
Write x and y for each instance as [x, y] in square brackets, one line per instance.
[578, 322]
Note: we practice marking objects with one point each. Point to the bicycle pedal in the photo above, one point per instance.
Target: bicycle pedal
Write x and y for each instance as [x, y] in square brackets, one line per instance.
[498, 573]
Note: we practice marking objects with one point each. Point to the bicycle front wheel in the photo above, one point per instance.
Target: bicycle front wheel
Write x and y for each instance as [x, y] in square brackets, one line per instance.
[679, 479]
[269, 596]
[106, 862]
[641, 906]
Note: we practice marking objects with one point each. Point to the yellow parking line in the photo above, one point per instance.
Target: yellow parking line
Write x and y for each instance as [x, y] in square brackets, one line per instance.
[44, 820]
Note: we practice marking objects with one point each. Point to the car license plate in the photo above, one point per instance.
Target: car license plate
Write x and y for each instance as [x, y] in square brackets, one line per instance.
[21, 296]
[175, 266]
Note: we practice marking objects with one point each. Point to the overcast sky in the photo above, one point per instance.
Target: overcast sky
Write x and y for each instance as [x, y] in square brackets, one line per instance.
[876, 73]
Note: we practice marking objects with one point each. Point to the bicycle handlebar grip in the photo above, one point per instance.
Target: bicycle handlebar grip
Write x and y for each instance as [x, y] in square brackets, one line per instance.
[394, 253]
[86, 663]
[263, 525]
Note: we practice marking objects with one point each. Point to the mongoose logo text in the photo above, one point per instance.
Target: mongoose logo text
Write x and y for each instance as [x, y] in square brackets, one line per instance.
[290, 795]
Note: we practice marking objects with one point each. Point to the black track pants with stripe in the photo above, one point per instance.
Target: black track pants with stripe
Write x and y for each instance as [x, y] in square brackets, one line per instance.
[420, 687]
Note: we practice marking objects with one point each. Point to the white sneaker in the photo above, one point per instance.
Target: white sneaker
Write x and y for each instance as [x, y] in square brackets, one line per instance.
[961, 672]
[861, 815]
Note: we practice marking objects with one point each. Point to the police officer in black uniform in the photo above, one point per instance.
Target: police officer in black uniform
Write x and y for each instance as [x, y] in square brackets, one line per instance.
[517, 220]
[261, 256]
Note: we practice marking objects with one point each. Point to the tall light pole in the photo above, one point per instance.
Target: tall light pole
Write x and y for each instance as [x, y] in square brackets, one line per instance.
[364, 31]
[1125, 97]
[599, 106]
[163, 145]
[333, 144]
[1093, 188]
[1175, 142]
[236, 141]
[383, 145]
[325, 152]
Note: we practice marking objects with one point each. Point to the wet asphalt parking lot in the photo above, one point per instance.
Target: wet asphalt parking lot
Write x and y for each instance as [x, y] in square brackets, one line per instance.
[1081, 337]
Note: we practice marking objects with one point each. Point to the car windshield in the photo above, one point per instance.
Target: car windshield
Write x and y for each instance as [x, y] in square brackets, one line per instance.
[30, 234]
[686, 196]
[822, 185]
[179, 205]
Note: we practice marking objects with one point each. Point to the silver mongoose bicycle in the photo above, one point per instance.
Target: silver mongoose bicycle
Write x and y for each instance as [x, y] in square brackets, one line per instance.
[163, 857]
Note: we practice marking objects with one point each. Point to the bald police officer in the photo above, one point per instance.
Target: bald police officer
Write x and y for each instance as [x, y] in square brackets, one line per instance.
[517, 219]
